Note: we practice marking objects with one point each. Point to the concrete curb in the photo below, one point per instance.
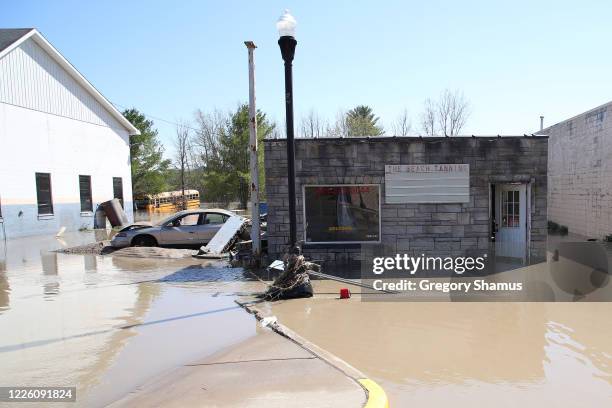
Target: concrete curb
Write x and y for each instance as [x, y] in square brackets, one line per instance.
[377, 398]
[375, 395]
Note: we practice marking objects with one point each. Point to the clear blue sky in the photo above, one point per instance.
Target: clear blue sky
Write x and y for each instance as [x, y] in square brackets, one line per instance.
[513, 60]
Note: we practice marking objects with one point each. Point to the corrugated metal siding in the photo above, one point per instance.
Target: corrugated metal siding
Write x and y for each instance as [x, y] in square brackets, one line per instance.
[30, 78]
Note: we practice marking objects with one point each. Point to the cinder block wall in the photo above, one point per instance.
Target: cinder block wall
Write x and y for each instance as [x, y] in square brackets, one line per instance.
[440, 229]
[580, 172]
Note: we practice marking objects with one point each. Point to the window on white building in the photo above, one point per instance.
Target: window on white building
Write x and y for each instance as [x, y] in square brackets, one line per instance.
[43, 194]
[85, 191]
[118, 189]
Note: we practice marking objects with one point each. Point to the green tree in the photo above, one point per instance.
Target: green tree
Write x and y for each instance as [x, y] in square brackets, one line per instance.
[149, 168]
[361, 121]
[226, 169]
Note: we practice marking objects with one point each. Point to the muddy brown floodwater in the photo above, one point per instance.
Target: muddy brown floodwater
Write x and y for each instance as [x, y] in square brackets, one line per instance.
[427, 354]
[108, 324]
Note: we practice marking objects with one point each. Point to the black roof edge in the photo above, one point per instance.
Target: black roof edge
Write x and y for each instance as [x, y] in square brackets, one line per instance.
[413, 138]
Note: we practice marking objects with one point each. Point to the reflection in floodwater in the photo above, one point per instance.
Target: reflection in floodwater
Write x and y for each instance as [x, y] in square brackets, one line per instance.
[5, 289]
[115, 322]
[51, 285]
[143, 301]
[90, 263]
[116, 339]
[181, 323]
[208, 273]
[48, 261]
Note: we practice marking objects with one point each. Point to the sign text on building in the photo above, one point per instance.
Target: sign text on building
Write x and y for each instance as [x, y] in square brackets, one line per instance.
[427, 183]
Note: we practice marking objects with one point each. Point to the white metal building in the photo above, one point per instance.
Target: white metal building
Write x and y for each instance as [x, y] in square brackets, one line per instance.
[64, 148]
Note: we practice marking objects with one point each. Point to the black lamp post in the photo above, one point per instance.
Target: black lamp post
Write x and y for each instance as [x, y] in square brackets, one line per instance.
[286, 30]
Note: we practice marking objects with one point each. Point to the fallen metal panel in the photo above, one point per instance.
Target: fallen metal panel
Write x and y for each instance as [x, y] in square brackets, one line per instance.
[114, 212]
[224, 237]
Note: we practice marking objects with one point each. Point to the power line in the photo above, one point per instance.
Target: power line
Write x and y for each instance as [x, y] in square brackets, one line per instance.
[159, 119]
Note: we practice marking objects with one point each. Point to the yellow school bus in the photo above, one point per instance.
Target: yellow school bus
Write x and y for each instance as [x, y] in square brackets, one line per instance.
[168, 201]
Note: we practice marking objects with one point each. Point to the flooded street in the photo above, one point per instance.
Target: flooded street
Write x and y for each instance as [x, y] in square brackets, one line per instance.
[107, 324]
[465, 354]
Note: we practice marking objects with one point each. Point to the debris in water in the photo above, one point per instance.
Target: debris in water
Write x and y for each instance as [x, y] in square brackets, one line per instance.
[294, 282]
[268, 321]
[113, 211]
[225, 238]
[94, 248]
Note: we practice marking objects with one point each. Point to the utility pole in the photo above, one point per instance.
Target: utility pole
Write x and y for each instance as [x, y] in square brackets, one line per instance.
[255, 238]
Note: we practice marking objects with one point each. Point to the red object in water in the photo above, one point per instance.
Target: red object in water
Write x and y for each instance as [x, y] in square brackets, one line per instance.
[345, 293]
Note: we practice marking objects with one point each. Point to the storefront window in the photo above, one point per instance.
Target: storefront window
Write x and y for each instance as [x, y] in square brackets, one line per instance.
[342, 213]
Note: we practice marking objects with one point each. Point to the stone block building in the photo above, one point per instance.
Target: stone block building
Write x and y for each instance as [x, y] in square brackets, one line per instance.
[580, 172]
[440, 196]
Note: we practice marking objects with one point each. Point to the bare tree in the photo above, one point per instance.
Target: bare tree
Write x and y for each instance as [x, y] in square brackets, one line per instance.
[340, 128]
[428, 118]
[182, 156]
[447, 115]
[210, 127]
[459, 113]
[312, 125]
[402, 125]
[279, 131]
[443, 109]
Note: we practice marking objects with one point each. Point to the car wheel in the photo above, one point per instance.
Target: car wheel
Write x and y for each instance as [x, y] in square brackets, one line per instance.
[144, 241]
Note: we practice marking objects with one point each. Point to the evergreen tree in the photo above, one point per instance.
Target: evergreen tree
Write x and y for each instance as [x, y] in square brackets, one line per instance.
[149, 168]
[227, 173]
[361, 121]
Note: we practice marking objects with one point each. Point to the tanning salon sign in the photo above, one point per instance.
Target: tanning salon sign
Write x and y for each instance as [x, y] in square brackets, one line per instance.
[427, 183]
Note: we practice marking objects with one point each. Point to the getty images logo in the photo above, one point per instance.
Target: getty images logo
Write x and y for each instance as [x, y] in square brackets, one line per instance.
[411, 264]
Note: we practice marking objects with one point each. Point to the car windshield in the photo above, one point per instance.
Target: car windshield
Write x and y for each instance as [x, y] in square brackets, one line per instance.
[165, 220]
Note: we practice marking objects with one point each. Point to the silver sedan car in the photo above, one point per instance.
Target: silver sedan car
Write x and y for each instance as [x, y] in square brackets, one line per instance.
[185, 228]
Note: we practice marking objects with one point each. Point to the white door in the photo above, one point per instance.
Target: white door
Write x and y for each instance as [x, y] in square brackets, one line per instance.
[511, 217]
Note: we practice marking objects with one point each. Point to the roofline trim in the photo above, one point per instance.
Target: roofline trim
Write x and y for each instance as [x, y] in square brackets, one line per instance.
[412, 138]
[603, 105]
[17, 42]
[74, 73]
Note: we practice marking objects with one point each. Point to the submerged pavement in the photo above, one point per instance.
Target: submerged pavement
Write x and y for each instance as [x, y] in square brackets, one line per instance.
[109, 325]
[265, 371]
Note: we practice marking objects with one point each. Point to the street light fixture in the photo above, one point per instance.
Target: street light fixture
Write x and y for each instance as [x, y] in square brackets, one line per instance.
[286, 30]
[286, 25]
